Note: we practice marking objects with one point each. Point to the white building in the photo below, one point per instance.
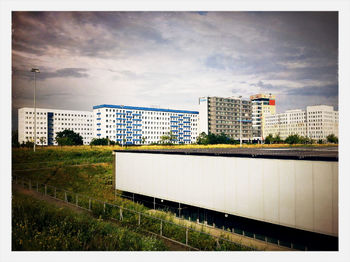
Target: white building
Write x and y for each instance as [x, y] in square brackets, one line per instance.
[322, 121]
[262, 104]
[317, 122]
[51, 121]
[143, 125]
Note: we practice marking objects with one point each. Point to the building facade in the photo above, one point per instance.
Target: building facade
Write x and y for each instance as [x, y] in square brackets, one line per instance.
[144, 125]
[51, 121]
[262, 104]
[222, 115]
[316, 122]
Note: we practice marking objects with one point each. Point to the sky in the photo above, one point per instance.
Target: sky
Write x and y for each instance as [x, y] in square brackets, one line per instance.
[170, 59]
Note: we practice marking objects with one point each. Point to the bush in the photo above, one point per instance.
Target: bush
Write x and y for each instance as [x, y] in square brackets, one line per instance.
[68, 138]
[293, 139]
[101, 142]
[332, 139]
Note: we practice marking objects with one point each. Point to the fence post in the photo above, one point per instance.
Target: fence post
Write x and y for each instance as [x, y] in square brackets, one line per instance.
[76, 199]
[45, 189]
[278, 242]
[65, 196]
[218, 244]
[139, 218]
[90, 204]
[161, 227]
[121, 214]
[186, 236]
[104, 207]
[243, 232]
[291, 245]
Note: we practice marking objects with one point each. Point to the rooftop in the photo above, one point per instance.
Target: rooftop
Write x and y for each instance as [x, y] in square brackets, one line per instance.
[296, 153]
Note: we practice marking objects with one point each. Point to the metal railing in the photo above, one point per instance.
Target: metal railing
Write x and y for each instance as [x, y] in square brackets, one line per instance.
[238, 231]
[185, 235]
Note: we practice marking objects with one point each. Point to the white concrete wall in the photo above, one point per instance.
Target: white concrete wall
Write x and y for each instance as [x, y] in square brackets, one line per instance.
[296, 193]
[203, 115]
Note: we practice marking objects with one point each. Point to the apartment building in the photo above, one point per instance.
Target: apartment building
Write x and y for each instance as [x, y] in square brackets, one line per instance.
[222, 115]
[51, 121]
[144, 125]
[285, 124]
[316, 122]
[322, 121]
[262, 104]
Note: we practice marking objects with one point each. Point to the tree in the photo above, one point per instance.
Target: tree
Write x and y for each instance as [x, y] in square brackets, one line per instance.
[202, 139]
[99, 142]
[68, 138]
[42, 140]
[332, 139]
[269, 139]
[143, 140]
[305, 140]
[167, 138]
[15, 142]
[278, 139]
[293, 139]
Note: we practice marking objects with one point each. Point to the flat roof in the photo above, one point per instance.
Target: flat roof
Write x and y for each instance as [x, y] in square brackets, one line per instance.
[146, 109]
[296, 153]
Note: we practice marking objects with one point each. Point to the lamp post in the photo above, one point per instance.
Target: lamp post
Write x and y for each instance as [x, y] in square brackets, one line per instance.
[240, 122]
[35, 71]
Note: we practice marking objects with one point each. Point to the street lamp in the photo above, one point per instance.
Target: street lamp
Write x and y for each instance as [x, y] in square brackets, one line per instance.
[240, 122]
[35, 71]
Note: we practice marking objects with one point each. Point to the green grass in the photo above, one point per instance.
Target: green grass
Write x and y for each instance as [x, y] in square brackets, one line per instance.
[37, 225]
[95, 180]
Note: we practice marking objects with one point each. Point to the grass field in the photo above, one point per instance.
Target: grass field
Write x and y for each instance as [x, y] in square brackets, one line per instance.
[37, 225]
[85, 170]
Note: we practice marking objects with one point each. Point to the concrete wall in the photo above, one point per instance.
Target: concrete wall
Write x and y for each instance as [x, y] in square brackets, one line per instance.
[203, 115]
[295, 193]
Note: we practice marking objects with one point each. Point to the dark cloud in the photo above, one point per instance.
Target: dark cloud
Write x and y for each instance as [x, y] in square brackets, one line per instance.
[267, 87]
[45, 74]
[156, 53]
[322, 91]
[65, 72]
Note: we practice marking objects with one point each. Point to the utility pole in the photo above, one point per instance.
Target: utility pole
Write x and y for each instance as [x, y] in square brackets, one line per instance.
[240, 122]
[35, 70]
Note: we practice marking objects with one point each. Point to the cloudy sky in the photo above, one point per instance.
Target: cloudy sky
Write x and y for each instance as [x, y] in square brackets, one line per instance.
[170, 59]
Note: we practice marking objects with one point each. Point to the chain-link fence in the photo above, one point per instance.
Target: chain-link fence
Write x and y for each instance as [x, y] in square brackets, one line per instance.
[187, 235]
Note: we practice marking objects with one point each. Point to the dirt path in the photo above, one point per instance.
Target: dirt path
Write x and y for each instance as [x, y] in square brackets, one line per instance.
[172, 246]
